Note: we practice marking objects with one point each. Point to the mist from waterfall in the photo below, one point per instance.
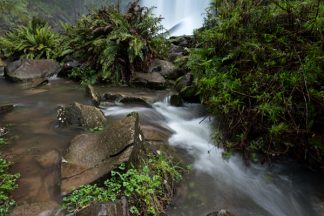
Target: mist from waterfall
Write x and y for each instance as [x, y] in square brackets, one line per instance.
[186, 15]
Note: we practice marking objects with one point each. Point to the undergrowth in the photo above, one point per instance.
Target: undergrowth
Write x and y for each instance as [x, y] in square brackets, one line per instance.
[112, 45]
[147, 188]
[259, 68]
[8, 182]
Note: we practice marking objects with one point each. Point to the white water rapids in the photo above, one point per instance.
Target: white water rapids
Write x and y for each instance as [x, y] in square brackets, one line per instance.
[253, 190]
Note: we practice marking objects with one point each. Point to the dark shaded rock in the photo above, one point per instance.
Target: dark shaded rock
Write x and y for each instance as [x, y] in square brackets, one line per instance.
[2, 70]
[222, 212]
[6, 108]
[80, 115]
[150, 80]
[187, 89]
[28, 70]
[133, 100]
[69, 64]
[184, 41]
[93, 95]
[118, 208]
[167, 69]
[176, 52]
[176, 100]
[91, 156]
[156, 134]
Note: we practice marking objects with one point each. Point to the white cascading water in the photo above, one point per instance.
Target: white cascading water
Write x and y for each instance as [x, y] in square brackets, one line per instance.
[187, 15]
[251, 190]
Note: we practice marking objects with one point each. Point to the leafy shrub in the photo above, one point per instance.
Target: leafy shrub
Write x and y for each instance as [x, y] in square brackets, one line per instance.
[34, 41]
[147, 188]
[259, 67]
[115, 44]
[7, 184]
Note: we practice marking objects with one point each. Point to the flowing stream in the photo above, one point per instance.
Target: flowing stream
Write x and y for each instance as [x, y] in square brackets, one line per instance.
[213, 183]
[279, 190]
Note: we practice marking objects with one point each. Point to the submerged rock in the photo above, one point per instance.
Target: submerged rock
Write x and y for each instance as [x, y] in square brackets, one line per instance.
[31, 70]
[117, 208]
[91, 156]
[81, 115]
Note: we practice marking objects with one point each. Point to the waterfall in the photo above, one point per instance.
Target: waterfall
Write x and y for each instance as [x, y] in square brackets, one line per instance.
[186, 15]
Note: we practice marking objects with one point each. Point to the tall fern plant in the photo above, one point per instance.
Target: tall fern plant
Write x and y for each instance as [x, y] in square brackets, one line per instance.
[35, 41]
[113, 44]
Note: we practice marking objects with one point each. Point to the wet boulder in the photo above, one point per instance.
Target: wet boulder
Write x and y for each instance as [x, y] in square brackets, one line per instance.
[126, 95]
[26, 70]
[80, 115]
[176, 52]
[93, 95]
[167, 69]
[117, 208]
[150, 80]
[186, 88]
[176, 100]
[6, 108]
[91, 156]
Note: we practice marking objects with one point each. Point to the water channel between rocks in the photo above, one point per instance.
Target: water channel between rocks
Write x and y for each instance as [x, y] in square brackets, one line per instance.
[213, 183]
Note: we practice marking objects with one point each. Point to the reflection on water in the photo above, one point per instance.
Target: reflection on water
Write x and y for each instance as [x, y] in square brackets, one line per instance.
[34, 134]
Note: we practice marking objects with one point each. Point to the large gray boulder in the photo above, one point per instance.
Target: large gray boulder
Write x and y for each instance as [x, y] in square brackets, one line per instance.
[150, 80]
[118, 208]
[167, 69]
[80, 115]
[31, 70]
[91, 156]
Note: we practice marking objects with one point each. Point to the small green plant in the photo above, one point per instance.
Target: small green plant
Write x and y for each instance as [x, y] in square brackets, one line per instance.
[96, 129]
[8, 182]
[147, 188]
[35, 41]
[3, 141]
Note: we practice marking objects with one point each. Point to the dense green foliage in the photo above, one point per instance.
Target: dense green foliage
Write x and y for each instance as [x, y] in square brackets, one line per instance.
[147, 188]
[113, 44]
[13, 12]
[34, 41]
[7, 184]
[259, 67]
